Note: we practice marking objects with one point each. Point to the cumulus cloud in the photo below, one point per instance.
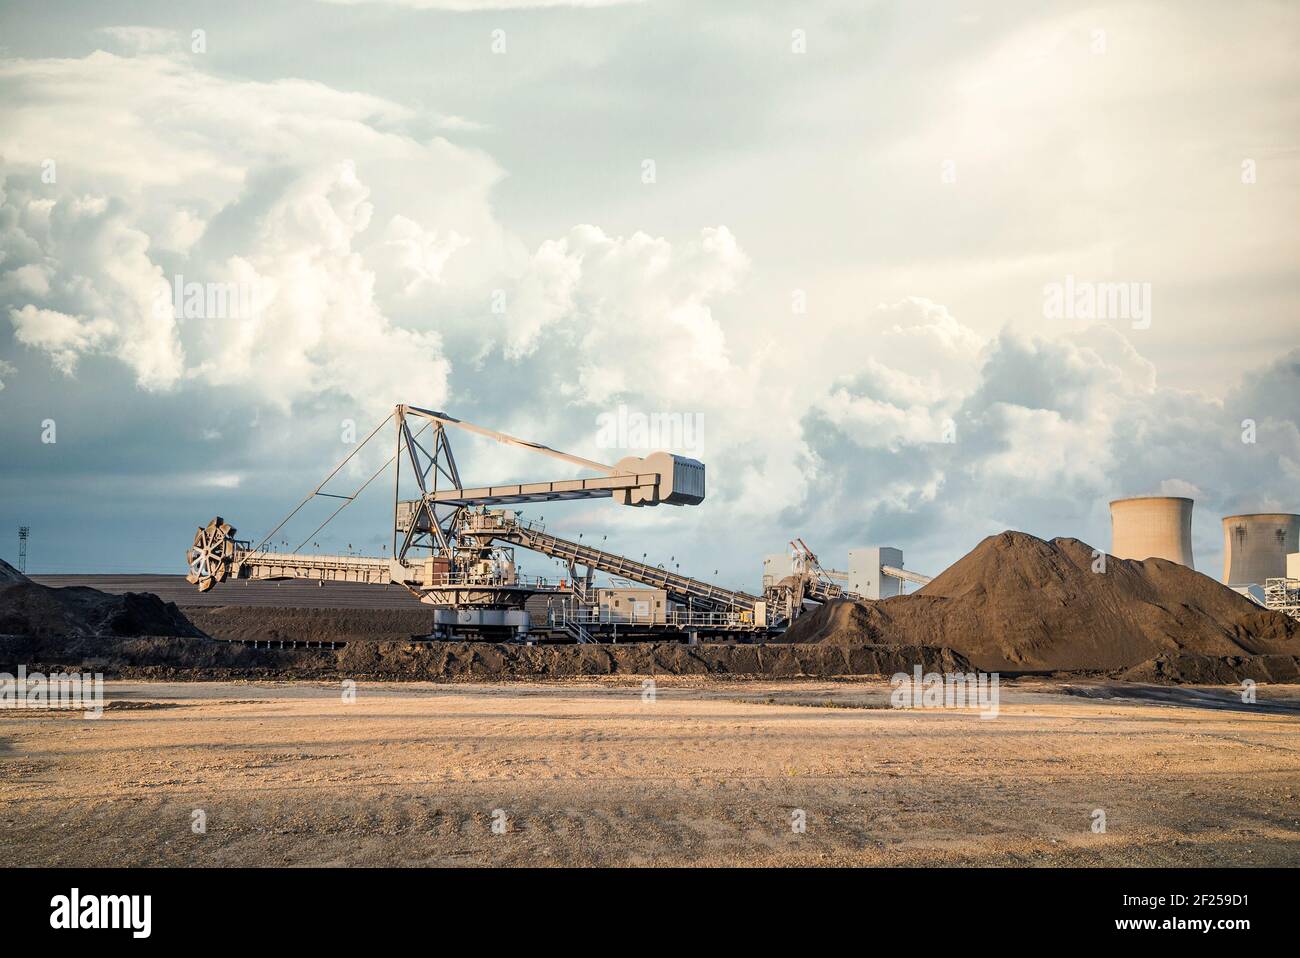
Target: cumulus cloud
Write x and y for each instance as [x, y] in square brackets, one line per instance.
[319, 328]
[633, 313]
[64, 337]
[382, 275]
[1041, 434]
[415, 257]
[141, 39]
[361, 266]
[224, 183]
[370, 276]
[79, 279]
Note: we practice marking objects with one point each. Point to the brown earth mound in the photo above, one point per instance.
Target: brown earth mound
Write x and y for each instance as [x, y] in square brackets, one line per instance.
[29, 609]
[1016, 602]
[9, 574]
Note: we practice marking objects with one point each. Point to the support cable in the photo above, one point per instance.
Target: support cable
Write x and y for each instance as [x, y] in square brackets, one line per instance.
[332, 474]
[350, 499]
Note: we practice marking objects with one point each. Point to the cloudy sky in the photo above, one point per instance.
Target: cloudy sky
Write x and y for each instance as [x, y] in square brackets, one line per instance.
[829, 233]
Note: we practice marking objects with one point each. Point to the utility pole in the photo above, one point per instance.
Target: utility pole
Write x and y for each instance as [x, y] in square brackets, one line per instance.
[23, 533]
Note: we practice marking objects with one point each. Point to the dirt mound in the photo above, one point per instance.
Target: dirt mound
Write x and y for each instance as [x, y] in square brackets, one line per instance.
[192, 658]
[445, 660]
[9, 574]
[155, 656]
[28, 609]
[1211, 670]
[1016, 602]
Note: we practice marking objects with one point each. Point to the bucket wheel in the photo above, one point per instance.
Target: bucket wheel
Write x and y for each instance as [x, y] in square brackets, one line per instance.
[212, 554]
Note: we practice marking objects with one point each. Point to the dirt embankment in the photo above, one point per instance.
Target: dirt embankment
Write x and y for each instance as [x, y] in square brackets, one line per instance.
[1016, 602]
[459, 659]
[158, 658]
[1212, 670]
[138, 635]
[1013, 604]
[29, 609]
[9, 574]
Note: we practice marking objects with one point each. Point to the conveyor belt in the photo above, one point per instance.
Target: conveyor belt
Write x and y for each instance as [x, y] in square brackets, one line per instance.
[683, 587]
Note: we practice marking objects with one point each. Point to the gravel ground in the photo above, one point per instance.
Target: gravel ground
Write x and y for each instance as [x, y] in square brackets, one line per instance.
[706, 773]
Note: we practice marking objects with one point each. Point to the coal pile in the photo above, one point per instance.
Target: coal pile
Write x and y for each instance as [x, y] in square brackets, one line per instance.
[468, 660]
[273, 624]
[29, 609]
[189, 659]
[1019, 603]
[9, 574]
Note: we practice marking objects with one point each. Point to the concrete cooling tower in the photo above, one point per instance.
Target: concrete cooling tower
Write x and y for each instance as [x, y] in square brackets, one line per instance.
[1255, 546]
[1152, 527]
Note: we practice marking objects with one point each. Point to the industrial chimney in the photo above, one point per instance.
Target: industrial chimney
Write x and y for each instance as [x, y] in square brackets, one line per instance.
[1152, 527]
[1255, 546]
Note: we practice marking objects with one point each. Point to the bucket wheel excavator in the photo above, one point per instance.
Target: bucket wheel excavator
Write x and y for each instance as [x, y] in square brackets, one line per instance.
[453, 546]
[212, 554]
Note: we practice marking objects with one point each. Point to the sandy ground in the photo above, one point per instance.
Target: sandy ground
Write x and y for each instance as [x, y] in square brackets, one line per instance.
[707, 773]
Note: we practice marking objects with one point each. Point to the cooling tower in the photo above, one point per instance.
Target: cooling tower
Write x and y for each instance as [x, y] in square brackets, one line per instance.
[1255, 546]
[1152, 527]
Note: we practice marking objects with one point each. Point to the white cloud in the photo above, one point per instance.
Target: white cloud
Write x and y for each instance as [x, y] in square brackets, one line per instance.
[30, 280]
[469, 6]
[87, 284]
[633, 312]
[219, 480]
[139, 39]
[64, 337]
[235, 188]
[379, 248]
[1046, 432]
[415, 257]
[321, 329]
[372, 270]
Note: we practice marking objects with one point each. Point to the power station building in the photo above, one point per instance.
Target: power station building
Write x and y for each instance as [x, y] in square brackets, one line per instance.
[1152, 527]
[1255, 546]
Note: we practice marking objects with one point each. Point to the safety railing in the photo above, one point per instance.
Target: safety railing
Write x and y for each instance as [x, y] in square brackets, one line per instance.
[293, 559]
[461, 580]
[1283, 595]
[679, 621]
